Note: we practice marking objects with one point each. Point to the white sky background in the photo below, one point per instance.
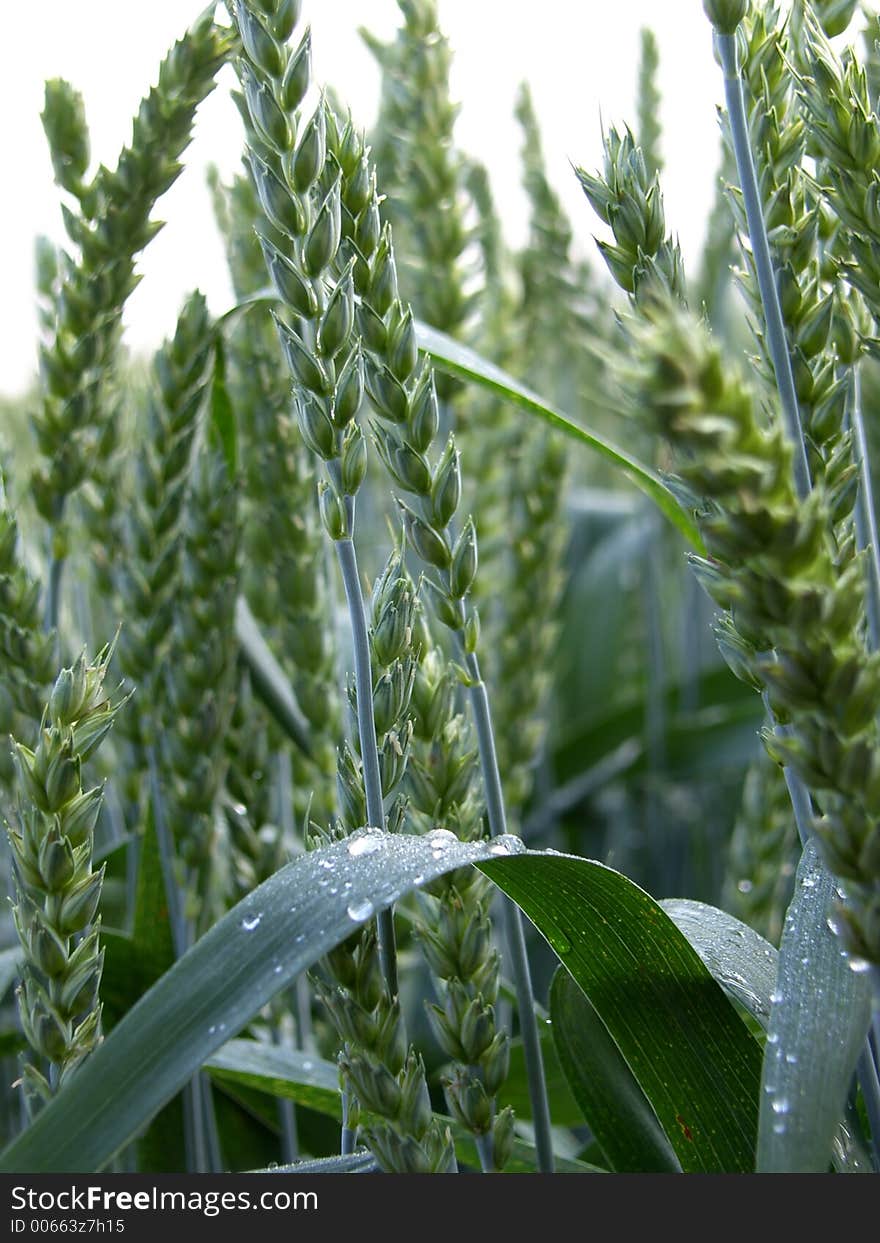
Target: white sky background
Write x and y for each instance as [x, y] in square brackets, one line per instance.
[579, 56]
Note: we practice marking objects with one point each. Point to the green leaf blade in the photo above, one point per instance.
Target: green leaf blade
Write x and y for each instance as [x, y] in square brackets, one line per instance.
[216, 988]
[685, 1044]
[818, 1023]
[617, 1110]
[457, 360]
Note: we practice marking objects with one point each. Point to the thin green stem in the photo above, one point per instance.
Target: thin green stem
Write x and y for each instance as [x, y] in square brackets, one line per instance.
[363, 678]
[866, 1073]
[194, 1127]
[200, 1126]
[775, 325]
[867, 540]
[866, 516]
[214, 1152]
[515, 936]
[173, 897]
[485, 1152]
[53, 590]
[348, 1133]
[286, 1116]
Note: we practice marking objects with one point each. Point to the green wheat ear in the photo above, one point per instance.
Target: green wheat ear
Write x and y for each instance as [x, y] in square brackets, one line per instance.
[29, 654]
[284, 570]
[58, 891]
[76, 426]
[796, 603]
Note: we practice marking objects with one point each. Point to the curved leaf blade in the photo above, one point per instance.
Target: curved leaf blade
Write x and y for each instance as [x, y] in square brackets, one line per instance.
[256, 950]
[457, 360]
[818, 1023]
[740, 959]
[617, 1110]
[745, 965]
[686, 1046]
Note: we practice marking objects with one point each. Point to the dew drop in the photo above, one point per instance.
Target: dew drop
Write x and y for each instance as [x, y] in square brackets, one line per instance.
[249, 923]
[359, 911]
[419, 879]
[833, 924]
[326, 863]
[561, 943]
[859, 965]
[366, 844]
[775, 998]
[239, 809]
[780, 1105]
[745, 886]
[507, 844]
[791, 1058]
[778, 1128]
[277, 969]
[808, 882]
[773, 1038]
[307, 1065]
[440, 840]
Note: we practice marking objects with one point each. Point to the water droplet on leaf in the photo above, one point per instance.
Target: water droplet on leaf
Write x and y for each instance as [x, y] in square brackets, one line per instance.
[366, 843]
[859, 965]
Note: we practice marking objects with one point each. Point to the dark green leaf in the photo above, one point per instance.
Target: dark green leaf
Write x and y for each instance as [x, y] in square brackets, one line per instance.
[617, 1110]
[688, 1049]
